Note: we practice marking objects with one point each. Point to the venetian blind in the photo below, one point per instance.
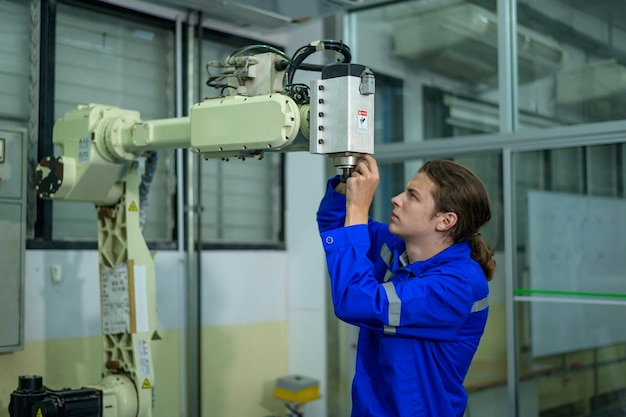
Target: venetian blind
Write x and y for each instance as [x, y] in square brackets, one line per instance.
[107, 59]
[242, 200]
[14, 59]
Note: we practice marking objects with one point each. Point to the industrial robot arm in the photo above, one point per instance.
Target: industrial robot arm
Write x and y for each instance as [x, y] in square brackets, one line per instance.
[260, 110]
[265, 112]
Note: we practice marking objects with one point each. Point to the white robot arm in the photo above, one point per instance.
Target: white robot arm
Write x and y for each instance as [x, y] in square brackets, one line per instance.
[265, 111]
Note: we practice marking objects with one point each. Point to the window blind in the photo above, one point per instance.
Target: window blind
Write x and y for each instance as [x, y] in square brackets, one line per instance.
[242, 200]
[106, 59]
[14, 59]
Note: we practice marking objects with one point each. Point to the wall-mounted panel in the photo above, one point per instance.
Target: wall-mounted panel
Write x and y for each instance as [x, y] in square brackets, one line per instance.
[12, 238]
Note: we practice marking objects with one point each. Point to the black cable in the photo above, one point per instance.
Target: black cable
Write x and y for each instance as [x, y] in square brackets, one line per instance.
[282, 65]
[263, 48]
[297, 91]
[305, 51]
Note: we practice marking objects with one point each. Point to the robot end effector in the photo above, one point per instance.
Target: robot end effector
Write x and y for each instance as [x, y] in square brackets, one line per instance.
[335, 115]
[342, 115]
[334, 118]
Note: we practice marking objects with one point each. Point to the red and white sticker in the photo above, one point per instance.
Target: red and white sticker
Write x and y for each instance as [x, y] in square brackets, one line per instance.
[362, 120]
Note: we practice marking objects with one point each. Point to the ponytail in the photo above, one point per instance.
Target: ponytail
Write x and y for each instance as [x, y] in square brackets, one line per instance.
[483, 254]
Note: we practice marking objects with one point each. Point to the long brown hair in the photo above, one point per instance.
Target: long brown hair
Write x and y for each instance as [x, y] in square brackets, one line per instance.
[459, 190]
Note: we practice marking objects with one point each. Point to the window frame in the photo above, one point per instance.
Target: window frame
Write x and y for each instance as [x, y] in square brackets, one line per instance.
[235, 42]
[41, 231]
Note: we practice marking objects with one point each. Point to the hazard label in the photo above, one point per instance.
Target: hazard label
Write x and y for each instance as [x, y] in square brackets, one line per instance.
[362, 121]
[133, 206]
[39, 413]
[145, 385]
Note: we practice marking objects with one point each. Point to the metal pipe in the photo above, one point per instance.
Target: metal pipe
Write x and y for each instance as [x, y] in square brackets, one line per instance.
[512, 354]
[193, 295]
[180, 204]
[198, 237]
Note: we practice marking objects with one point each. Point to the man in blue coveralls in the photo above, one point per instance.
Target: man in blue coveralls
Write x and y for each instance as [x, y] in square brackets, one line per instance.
[417, 287]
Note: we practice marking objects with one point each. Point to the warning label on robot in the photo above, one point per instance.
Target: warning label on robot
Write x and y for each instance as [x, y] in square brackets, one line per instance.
[83, 150]
[143, 352]
[362, 122]
[115, 303]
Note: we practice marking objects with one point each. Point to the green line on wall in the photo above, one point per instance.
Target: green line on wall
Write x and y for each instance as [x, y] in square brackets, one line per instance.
[522, 291]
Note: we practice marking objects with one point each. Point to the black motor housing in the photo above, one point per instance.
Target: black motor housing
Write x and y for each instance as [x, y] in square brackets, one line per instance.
[33, 399]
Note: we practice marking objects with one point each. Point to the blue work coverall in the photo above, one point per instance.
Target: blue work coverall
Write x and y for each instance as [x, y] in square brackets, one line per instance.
[420, 323]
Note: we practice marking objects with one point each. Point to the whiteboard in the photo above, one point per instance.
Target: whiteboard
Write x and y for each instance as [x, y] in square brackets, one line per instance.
[576, 243]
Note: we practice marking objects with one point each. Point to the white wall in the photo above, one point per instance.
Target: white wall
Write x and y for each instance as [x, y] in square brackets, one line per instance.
[239, 287]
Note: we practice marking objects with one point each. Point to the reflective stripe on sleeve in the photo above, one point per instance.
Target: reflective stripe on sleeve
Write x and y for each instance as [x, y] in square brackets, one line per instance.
[394, 304]
[385, 254]
[388, 276]
[480, 305]
[389, 329]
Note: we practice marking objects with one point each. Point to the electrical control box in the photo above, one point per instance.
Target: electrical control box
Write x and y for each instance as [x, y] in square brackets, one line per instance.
[12, 237]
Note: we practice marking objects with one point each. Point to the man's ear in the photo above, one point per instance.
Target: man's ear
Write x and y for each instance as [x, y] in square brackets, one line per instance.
[447, 221]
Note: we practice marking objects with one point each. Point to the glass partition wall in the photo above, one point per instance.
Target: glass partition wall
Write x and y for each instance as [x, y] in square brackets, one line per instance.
[558, 297]
[548, 141]
[584, 43]
[570, 276]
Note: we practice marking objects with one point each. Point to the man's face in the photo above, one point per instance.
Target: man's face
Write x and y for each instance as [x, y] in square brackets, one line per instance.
[413, 217]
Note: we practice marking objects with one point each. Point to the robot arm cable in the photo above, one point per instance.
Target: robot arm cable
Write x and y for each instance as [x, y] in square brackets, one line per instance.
[144, 187]
[305, 51]
[264, 48]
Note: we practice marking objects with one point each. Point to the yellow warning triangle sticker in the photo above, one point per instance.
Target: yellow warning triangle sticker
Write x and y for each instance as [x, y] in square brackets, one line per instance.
[133, 207]
[146, 385]
[39, 413]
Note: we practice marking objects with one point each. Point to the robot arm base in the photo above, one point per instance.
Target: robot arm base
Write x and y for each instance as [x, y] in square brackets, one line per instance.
[115, 397]
[33, 398]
